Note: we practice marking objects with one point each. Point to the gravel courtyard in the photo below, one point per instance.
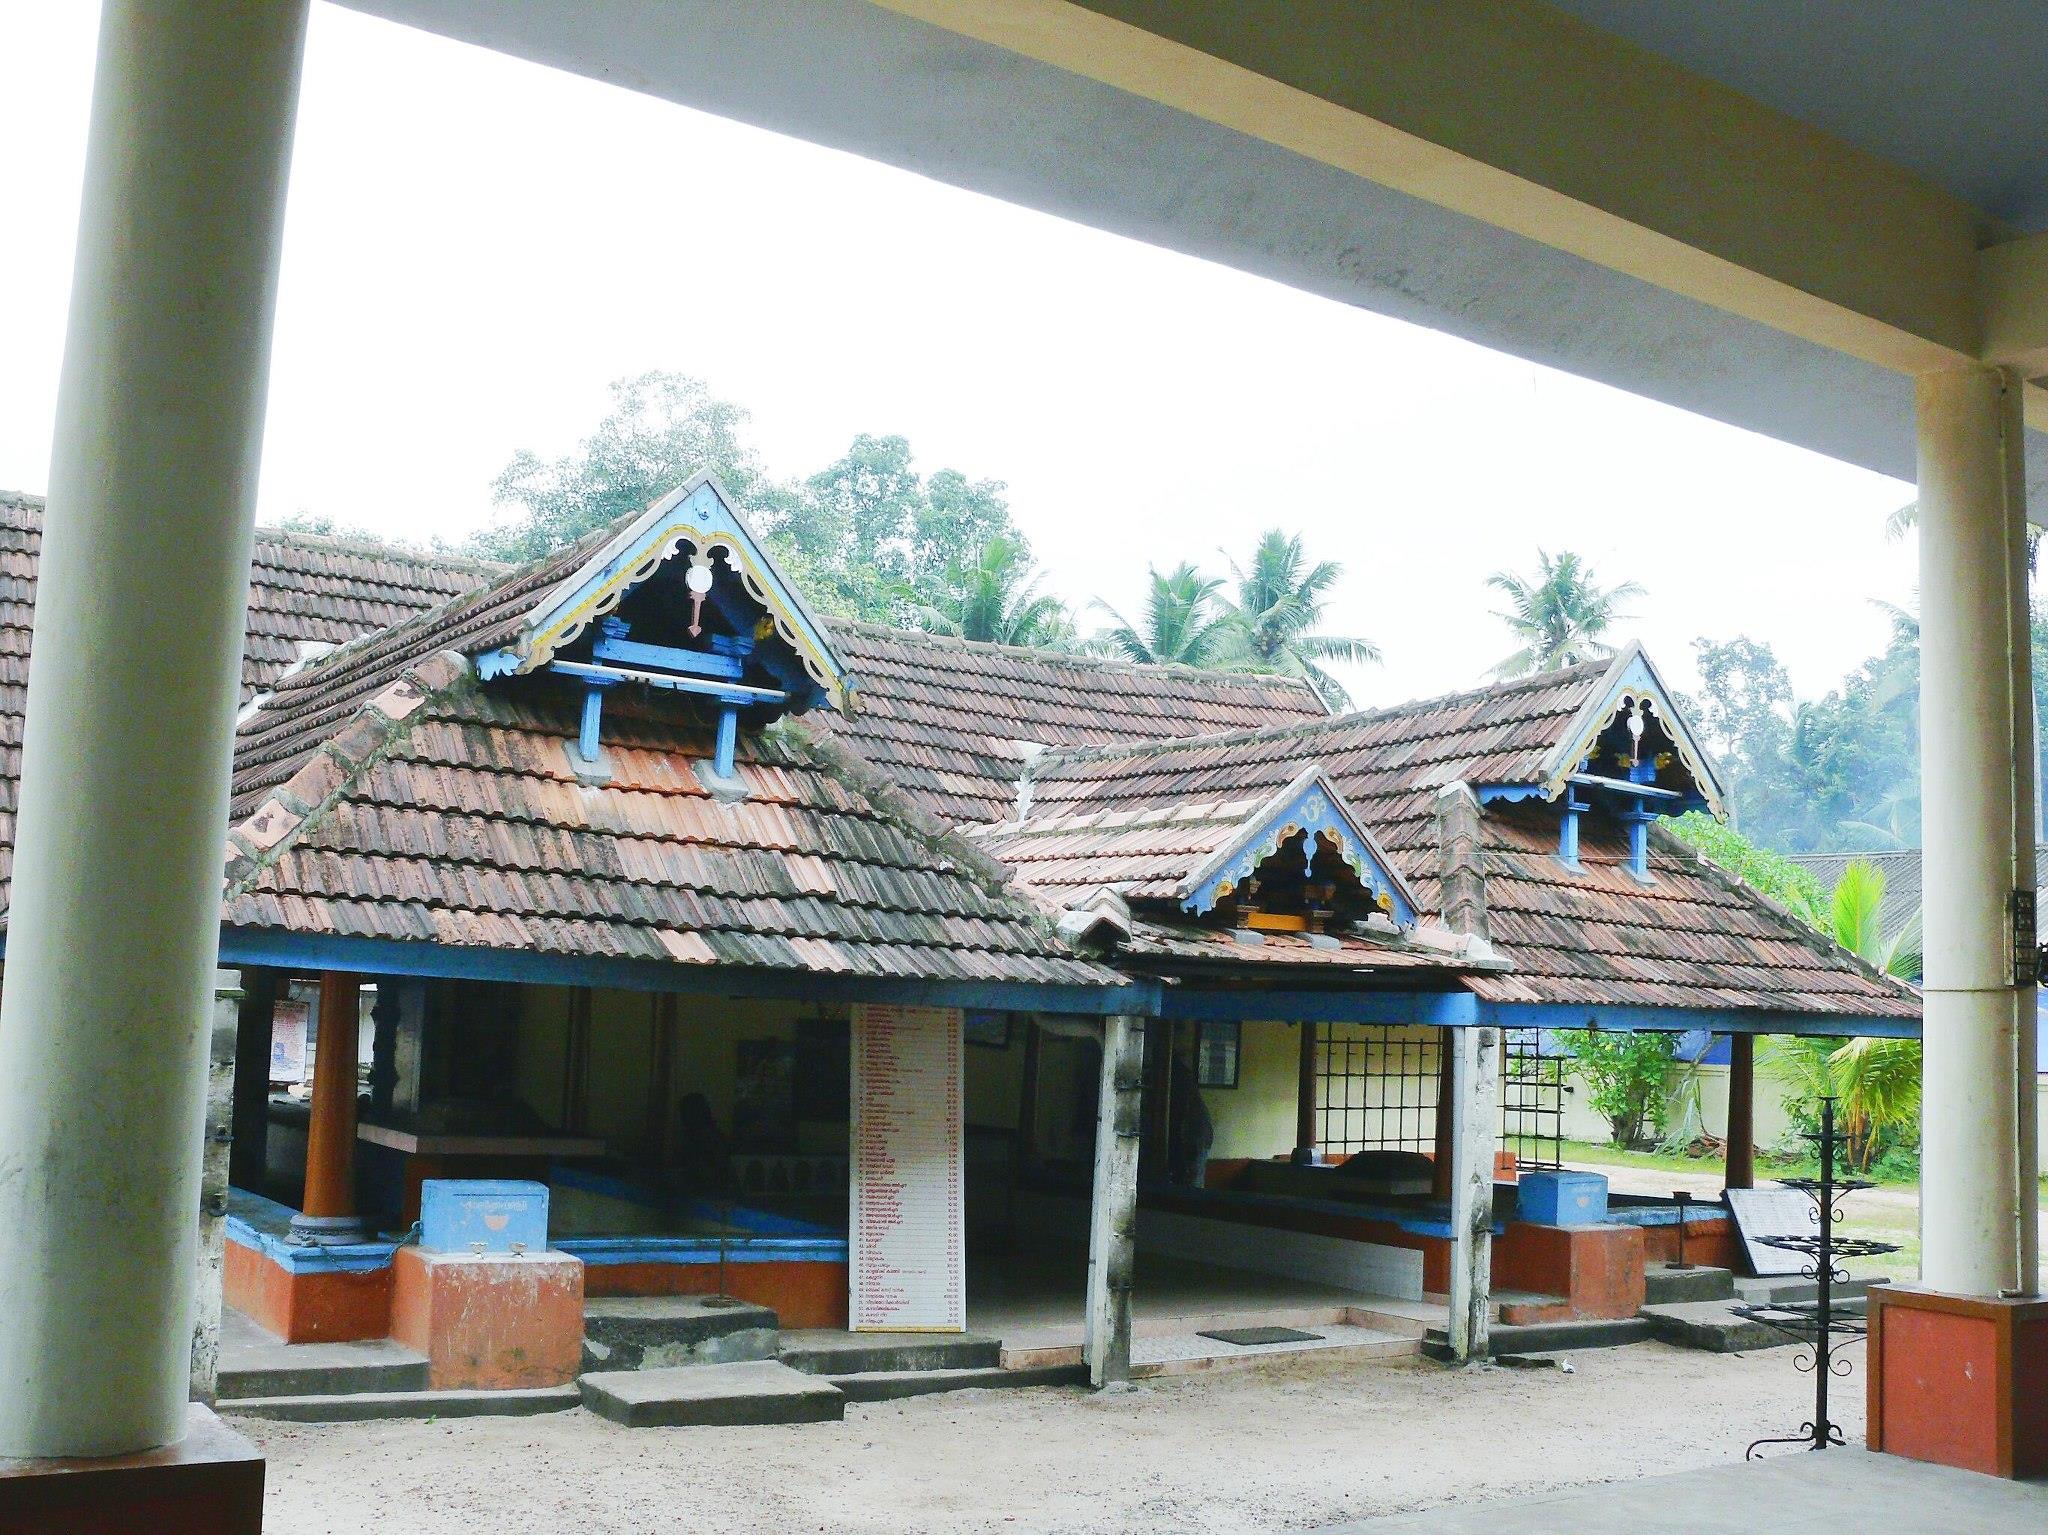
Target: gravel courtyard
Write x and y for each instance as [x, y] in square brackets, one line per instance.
[1283, 1447]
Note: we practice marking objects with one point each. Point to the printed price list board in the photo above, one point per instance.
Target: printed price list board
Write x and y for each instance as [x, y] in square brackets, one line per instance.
[907, 1229]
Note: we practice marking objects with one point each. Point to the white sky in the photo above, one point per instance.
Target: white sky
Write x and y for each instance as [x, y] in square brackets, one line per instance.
[476, 246]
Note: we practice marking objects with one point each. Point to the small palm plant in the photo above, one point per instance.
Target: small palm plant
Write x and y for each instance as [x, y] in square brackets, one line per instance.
[994, 596]
[1184, 622]
[1280, 601]
[1874, 1082]
[1561, 617]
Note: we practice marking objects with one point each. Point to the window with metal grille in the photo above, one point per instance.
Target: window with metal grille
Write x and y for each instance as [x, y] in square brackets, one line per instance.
[1376, 1088]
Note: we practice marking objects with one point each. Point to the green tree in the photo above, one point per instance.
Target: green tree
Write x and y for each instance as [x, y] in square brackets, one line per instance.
[1875, 1082]
[995, 597]
[1625, 1076]
[1742, 714]
[1791, 885]
[1561, 617]
[1276, 612]
[1184, 622]
[662, 429]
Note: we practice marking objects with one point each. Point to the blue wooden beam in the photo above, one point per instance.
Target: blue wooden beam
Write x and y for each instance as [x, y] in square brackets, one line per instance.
[1444, 1009]
[379, 956]
[698, 663]
[1679, 1020]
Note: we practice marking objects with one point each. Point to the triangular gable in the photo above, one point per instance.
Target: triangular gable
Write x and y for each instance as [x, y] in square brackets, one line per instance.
[1629, 682]
[1309, 804]
[697, 514]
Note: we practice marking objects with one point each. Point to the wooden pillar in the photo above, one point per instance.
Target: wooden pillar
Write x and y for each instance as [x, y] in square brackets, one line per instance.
[576, 1065]
[1741, 1173]
[1027, 1095]
[1307, 1131]
[329, 1207]
[1445, 1160]
[251, 1129]
[661, 1077]
[1471, 1299]
[1113, 1210]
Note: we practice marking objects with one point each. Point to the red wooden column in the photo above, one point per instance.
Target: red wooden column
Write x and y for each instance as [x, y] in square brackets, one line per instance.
[1305, 1127]
[1741, 1111]
[329, 1211]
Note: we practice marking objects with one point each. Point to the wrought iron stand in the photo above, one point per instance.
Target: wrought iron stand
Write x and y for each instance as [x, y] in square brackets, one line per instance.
[1815, 1322]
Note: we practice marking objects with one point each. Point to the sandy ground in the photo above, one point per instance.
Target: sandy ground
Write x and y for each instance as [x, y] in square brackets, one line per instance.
[1283, 1447]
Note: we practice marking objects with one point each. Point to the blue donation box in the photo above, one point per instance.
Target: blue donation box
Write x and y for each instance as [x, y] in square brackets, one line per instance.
[493, 1215]
[1562, 1199]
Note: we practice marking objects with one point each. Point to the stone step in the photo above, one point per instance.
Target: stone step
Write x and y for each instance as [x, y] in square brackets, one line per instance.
[656, 1332]
[1777, 1289]
[1712, 1325]
[366, 1406]
[892, 1385]
[281, 1369]
[870, 1353]
[1664, 1285]
[1550, 1337]
[712, 1395]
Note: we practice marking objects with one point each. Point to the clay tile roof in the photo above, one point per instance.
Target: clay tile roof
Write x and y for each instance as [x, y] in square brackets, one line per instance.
[954, 721]
[462, 822]
[1695, 937]
[303, 589]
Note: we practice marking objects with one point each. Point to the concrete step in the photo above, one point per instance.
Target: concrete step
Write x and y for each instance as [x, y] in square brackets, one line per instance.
[365, 1406]
[712, 1395]
[657, 1332]
[892, 1385]
[869, 1353]
[1550, 1337]
[278, 1369]
[1664, 1285]
[1777, 1289]
[1712, 1325]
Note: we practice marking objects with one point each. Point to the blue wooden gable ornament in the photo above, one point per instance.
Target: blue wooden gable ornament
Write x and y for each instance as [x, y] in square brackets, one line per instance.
[1310, 804]
[727, 572]
[1634, 690]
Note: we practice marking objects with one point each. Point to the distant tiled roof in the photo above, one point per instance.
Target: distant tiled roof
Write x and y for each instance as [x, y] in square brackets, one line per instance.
[446, 811]
[953, 721]
[302, 589]
[1695, 937]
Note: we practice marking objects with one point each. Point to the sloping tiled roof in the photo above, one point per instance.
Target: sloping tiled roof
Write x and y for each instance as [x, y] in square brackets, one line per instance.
[952, 721]
[302, 588]
[449, 812]
[1695, 937]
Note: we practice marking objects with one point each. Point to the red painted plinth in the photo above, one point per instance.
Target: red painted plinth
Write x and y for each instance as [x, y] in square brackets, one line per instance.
[490, 1322]
[210, 1483]
[1959, 1380]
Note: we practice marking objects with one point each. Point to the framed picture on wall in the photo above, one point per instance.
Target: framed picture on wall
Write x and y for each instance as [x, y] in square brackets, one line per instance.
[1216, 1052]
[989, 1030]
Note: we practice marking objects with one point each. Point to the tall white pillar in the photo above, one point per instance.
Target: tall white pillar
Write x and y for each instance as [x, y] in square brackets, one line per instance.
[131, 701]
[1976, 818]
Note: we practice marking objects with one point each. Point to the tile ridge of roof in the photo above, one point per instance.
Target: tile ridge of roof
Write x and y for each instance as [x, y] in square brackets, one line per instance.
[1160, 745]
[363, 737]
[1114, 664]
[1800, 931]
[430, 619]
[375, 548]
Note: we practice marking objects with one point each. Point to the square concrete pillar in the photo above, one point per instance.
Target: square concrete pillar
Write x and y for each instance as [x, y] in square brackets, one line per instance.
[1960, 1380]
[490, 1321]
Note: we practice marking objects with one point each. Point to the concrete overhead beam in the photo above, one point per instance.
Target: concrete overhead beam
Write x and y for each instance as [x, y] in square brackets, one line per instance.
[1523, 117]
[2012, 281]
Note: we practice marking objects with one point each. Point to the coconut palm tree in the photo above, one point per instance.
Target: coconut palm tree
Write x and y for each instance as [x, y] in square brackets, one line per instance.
[1184, 622]
[1561, 616]
[994, 596]
[1875, 1082]
[1280, 601]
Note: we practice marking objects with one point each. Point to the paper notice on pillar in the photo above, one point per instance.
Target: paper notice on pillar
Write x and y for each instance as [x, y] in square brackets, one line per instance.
[288, 1041]
[907, 1234]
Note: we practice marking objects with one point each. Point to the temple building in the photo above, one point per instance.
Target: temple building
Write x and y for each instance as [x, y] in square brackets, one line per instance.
[897, 983]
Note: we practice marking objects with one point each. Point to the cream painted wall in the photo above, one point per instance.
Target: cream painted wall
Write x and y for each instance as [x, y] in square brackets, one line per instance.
[1256, 1118]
